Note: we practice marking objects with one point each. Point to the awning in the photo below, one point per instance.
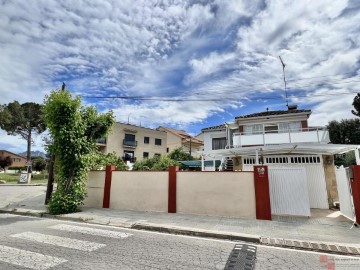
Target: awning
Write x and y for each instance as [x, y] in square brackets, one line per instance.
[281, 149]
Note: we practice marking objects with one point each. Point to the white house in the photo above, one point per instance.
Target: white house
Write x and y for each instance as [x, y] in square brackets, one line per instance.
[282, 139]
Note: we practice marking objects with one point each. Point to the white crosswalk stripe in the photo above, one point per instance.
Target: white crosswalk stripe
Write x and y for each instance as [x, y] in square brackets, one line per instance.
[91, 231]
[59, 241]
[28, 259]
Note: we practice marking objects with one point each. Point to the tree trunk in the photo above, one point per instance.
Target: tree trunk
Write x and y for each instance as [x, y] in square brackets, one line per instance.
[28, 154]
[50, 185]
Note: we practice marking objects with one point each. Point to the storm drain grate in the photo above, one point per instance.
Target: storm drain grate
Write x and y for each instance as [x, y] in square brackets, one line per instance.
[298, 244]
[242, 257]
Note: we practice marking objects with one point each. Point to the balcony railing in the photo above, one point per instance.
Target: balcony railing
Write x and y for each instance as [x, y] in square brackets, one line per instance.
[101, 141]
[129, 143]
[127, 158]
[304, 135]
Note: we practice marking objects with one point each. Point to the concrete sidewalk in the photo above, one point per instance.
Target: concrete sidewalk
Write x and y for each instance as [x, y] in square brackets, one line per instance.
[294, 232]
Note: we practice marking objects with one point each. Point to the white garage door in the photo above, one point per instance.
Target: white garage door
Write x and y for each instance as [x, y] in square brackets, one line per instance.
[288, 191]
[314, 172]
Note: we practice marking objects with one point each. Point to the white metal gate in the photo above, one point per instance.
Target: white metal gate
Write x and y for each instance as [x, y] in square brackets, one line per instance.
[344, 191]
[315, 174]
[288, 191]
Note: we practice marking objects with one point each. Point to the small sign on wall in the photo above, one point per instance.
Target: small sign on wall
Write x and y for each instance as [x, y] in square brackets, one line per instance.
[261, 171]
[24, 178]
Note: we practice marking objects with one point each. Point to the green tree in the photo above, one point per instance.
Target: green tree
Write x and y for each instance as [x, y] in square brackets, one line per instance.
[22, 119]
[356, 104]
[5, 162]
[101, 160]
[346, 131]
[39, 164]
[74, 129]
[155, 164]
[179, 154]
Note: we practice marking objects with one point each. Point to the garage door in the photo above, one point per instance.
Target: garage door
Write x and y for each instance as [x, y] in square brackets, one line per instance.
[288, 191]
[314, 172]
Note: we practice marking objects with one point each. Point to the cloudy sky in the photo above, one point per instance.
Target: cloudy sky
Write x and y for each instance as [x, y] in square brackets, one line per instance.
[185, 64]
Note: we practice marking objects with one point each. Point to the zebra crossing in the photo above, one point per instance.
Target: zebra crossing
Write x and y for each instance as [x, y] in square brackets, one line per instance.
[38, 261]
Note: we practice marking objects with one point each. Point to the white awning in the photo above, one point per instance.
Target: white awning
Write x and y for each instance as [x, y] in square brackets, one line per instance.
[281, 149]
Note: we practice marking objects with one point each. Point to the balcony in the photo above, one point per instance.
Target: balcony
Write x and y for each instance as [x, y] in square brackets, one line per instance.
[305, 135]
[101, 141]
[128, 143]
[128, 158]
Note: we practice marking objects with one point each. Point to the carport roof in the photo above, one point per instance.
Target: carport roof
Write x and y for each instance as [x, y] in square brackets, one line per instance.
[291, 148]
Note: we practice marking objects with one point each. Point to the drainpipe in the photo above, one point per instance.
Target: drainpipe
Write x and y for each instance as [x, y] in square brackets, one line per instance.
[227, 135]
[357, 156]
[202, 163]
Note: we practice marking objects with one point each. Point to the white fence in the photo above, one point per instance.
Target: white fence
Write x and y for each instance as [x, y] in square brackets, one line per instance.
[344, 191]
[288, 191]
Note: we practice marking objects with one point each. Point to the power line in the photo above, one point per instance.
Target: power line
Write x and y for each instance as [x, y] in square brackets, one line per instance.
[214, 99]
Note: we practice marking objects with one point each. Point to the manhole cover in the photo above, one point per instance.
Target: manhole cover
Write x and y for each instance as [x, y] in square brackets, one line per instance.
[242, 257]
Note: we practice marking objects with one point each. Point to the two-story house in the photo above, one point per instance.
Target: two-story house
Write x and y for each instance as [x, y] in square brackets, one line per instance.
[280, 138]
[180, 138]
[132, 142]
[17, 161]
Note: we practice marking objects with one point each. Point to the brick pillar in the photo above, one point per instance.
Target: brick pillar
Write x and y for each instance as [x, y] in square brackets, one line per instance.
[172, 189]
[355, 187]
[107, 186]
[262, 193]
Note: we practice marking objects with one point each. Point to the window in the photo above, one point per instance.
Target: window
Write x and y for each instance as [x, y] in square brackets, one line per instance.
[253, 129]
[157, 141]
[129, 140]
[129, 137]
[129, 156]
[157, 155]
[167, 149]
[290, 126]
[145, 154]
[271, 128]
[146, 140]
[218, 143]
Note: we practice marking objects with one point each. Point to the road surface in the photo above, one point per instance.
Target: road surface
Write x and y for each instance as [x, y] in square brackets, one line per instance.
[38, 243]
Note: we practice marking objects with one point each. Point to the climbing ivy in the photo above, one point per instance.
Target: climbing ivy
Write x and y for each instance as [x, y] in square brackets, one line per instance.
[74, 129]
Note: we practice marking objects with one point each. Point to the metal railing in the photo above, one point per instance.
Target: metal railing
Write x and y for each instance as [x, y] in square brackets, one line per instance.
[283, 131]
[101, 140]
[127, 158]
[130, 143]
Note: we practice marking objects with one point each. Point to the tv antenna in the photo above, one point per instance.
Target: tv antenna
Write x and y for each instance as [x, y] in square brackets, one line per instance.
[283, 66]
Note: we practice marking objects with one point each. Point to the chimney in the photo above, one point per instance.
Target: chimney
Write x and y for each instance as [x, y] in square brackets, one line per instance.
[292, 107]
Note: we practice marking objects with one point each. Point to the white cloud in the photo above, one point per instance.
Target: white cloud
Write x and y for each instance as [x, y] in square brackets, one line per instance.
[188, 49]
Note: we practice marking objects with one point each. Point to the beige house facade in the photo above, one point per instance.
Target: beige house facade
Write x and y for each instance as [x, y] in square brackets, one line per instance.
[131, 142]
[179, 138]
[17, 161]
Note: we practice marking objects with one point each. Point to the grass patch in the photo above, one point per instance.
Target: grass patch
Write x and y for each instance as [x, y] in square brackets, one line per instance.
[14, 178]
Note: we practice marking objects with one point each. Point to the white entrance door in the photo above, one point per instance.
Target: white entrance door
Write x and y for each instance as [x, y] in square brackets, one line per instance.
[314, 173]
[344, 191]
[288, 191]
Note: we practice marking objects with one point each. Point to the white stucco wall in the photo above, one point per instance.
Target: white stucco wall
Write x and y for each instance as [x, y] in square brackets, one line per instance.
[140, 191]
[95, 189]
[216, 193]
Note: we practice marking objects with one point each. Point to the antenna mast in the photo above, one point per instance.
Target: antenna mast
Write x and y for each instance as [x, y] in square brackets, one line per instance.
[283, 66]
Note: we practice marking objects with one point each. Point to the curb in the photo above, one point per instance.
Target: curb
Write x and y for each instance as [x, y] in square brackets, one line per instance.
[199, 233]
[331, 248]
[265, 241]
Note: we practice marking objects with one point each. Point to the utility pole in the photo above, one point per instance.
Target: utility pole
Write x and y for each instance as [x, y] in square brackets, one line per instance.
[190, 146]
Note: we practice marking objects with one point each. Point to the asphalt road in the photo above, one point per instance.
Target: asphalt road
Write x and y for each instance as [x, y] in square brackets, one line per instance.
[35, 243]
